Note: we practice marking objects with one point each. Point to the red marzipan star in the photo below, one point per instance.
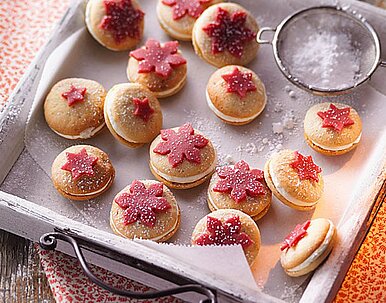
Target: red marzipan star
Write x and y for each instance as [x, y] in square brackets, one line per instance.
[240, 181]
[80, 164]
[181, 8]
[305, 167]
[142, 109]
[296, 235]
[181, 144]
[336, 118]
[159, 58]
[122, 19]
[239, 82]
[142, 204]
[227, 233]
[228, 32]
[74, 95]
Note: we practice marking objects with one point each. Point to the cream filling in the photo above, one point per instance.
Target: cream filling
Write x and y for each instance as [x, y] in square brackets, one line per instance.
[185, 180]
[317, 253]
[94, 192]
[86, 134]
[342, 147]
[226, 117]
[284, 193]
[171, 31]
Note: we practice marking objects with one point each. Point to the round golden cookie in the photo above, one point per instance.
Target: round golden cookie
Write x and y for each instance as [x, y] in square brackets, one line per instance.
[82, 172]
[182, 157]
[236, 95]
[133, 114]
[177, 18]
[146, 209]
[239, 187]
[342, 131]
[287, 185]
[163, 83]
[116, 24]
[229, 42]
[73, 108]
[302, 257]
[229, 227]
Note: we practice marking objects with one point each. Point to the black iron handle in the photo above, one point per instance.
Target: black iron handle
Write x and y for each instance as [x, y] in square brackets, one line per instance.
[49, 241]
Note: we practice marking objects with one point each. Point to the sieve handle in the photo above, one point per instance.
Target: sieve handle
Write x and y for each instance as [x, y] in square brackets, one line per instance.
[259, 35]
[383, 63]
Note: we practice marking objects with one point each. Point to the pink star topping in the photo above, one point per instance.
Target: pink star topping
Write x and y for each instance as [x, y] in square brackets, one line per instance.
[336, 118]
[80, 164]
[74, 95]
[122, 20]
[159, 58]
[296, 235]
[181, 144]
[143, 109]
[305, 167]
[142, 204]
[228, 32]
[240, 181]
[181, 8]
[227, 233]
[239, 82]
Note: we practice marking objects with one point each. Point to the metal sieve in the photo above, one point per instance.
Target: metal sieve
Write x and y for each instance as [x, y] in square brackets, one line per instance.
[326, 50]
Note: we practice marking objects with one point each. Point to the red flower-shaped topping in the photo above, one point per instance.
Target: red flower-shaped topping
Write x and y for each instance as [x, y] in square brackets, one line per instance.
[122, 20]
[227, 233]
[239, 82]
[228, 32]
[159, 58]
[80, 164]
[305, 167]
[181, 8]
[336, 118]
[181, 144]
[296, 235]
[142, 204]
[240, 181]
[74, 95]
[142, 109]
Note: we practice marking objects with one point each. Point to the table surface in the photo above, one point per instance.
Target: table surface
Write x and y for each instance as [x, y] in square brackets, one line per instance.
[24, 26]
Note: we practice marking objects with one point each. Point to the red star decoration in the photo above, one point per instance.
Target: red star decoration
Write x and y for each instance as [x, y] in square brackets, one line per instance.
[161, 59]
[80, 164]
[240, 181]
[122, 20]
[305, 167]
[142, 204]
[227, 233]
[239, 82]
[229, 32]
[180, 145]
[296, 235]
[336, 118]
[143, 109]
[74, 95]
[181, 8]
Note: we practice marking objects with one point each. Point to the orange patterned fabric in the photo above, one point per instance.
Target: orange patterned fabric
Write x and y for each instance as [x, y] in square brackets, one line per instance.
[25, 26]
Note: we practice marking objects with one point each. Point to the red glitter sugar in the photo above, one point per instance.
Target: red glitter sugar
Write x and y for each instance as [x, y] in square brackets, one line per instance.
[239, 82]
[122, 20]
[143, 109]
[74, 95]
[80, 164]
[295, 236]
[142, 204]
[336, 118]
[305, 167]
[180, 145]
[227, 233]
[181, 8]
[228, 32]
[240, 181]
[159, 58]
